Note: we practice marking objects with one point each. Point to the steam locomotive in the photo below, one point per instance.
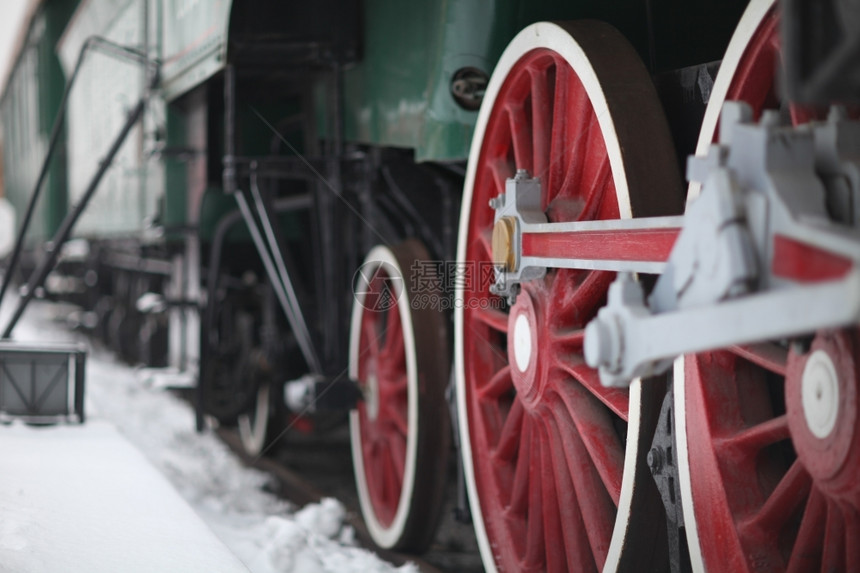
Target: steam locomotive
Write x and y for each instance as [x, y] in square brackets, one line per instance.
[464, 223]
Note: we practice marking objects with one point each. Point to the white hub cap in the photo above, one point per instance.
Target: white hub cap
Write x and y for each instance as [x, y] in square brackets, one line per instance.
[522, 342]
[820, 393]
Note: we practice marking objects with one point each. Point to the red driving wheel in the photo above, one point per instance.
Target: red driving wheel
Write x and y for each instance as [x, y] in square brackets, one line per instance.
[550, 454]
[767, 437]
[400, 431]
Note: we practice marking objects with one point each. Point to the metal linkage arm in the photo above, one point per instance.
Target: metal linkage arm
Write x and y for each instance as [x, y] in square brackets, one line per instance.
[771, 250]
[37, 279]
[525, 244]
[628, 340]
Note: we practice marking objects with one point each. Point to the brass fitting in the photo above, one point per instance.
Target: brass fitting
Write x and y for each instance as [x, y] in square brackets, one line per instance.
[504, 234]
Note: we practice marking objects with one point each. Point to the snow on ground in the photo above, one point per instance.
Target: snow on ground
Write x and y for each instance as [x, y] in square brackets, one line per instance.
[266, 533]
[81, 499]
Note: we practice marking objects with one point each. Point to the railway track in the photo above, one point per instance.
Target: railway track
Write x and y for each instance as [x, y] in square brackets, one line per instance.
[305, 471]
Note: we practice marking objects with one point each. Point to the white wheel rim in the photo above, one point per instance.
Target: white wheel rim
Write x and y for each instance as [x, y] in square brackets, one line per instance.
[386, 536]
[746, 29]
[539, 35]
[686, 486]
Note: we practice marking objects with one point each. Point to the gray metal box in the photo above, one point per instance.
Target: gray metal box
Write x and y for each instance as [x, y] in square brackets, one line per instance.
[42, 383]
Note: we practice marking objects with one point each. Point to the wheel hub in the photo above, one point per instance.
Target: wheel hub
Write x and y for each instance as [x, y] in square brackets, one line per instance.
[822, 405]
[522, 343]
[523, 348]
[820, 394]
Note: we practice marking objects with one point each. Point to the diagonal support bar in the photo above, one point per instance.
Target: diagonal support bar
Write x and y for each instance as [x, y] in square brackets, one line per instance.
[277, 273]
[93, 43]
[37, 279]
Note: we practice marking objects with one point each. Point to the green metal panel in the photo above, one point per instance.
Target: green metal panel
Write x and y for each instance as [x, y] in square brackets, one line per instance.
[28, 108]
[195, 33]
[399, 94]
[174, 209]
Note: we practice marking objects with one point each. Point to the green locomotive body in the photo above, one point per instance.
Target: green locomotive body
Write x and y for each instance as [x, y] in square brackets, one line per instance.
[397, 82]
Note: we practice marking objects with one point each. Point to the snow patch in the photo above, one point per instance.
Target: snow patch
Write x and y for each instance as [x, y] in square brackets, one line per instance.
[264, 532]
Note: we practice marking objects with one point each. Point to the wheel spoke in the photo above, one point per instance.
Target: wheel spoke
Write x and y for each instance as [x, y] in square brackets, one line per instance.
[579, 294]
[595, 503]
[542, 81]
[559, 139]
[579, 124]
[393, 348]
[520, 127]
[491, 350]
[372, 457]
[495, 319]
[785, 499]
[395, 386]
[397, 447]
[554, 554]
[499, 384]
[597, 435]
[485, 241]
[371, 337]
[501, 170]
[520, 486]
[576, 543]
[613, 398]
[834, 540]
[806, 554]
[397, 417]
[852, 534]
[596, 179]
[535, 548]
[390, 477]
[569, 340]
[767, 355]
[509, 440]
[749, 441]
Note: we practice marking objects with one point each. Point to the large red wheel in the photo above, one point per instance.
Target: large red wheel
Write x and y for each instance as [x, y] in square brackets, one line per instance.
[769, 451]
[400, 432]
[551, 455]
